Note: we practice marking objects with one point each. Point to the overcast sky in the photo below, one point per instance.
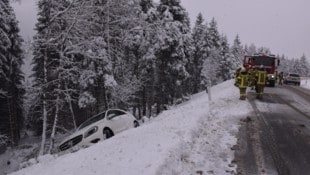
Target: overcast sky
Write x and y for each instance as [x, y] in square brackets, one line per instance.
[281, 25]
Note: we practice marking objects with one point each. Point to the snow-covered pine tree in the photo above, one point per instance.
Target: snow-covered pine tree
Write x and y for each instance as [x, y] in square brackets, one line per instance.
[284, 64]
[129, 67]
[84, 60]
[212, 56]
[106, 30]
[295, 68]
[211, 68]
[148, 47]
[194, 66]
[50, 67]
[246, 49]
[225, 69]
[299, 66]
[263, 50]
[64, 66]
[251, 50]
[304, 68]
[88, 42]
[237, 53]
[41, 52]
[79, 68]
[174, 38]
[11, 77]
[213, 34]
[111, 27]
[4, 46]
[139, 58]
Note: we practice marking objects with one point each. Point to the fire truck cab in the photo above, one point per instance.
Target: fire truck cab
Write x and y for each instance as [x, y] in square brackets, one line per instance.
[265, 62]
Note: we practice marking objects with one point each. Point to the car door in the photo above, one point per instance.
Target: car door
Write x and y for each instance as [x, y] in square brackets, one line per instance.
[116, 120]
[128, 120]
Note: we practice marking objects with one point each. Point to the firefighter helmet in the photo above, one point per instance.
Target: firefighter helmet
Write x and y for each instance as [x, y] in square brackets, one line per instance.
[242, 69]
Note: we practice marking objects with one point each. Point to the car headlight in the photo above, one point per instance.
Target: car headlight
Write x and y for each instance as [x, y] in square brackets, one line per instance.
[91, 131]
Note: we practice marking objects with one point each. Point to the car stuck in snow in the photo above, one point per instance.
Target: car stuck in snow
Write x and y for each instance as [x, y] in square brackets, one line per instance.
[99, 127]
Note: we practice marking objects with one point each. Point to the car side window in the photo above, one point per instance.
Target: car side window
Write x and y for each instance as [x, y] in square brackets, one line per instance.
[92, 120]
[115, 113]
[294, 75]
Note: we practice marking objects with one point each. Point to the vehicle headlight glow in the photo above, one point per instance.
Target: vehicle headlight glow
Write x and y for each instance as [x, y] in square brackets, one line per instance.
[91, 131]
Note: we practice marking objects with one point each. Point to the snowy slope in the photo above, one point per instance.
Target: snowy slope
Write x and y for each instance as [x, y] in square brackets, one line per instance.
[187, 139]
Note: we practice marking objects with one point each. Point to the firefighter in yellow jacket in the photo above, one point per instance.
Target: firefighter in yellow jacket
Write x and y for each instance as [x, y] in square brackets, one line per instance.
[242, 81]
[237, 73]
[261, 76]
[252, 77]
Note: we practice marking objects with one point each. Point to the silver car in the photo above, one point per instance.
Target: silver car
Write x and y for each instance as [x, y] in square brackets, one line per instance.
[292, 79]
[99, 127]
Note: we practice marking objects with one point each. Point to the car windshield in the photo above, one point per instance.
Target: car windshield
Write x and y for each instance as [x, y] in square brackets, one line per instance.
[294, 75]
[91, 120]
[263, 60]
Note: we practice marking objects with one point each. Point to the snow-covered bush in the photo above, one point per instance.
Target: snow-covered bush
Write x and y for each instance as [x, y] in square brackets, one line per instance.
[86, 99]
[3, 139]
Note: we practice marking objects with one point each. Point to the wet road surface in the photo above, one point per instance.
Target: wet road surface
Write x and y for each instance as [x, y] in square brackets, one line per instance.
[275, 138]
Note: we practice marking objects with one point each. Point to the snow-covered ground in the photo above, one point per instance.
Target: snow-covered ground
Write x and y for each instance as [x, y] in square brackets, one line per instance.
[195, 137]
[305, 82]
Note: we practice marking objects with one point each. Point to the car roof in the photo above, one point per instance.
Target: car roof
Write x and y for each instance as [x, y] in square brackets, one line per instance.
[81, 126]
[294, 74]
[91, 120]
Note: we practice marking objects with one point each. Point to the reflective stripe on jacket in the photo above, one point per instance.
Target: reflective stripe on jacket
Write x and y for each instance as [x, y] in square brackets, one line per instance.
[243, 81]
[261, 77]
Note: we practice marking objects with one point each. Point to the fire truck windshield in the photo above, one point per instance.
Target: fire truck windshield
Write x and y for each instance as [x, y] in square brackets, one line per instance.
[262, 60]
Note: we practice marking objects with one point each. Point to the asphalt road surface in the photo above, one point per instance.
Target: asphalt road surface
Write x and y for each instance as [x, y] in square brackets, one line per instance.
[275, 138]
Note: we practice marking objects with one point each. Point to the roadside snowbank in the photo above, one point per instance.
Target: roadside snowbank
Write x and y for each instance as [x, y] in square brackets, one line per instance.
[186, 139]
[305, 82]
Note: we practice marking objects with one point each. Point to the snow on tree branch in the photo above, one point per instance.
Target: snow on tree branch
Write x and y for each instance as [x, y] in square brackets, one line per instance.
[3, 139]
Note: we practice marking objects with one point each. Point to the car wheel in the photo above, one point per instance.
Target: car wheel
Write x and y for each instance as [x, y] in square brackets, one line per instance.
[108, 133]
[136, 124]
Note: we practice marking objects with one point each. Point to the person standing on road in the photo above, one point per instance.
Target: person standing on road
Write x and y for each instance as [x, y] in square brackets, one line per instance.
[261, 76]
[237, 73]
[252, 77]
[242, 81]
[281, 78]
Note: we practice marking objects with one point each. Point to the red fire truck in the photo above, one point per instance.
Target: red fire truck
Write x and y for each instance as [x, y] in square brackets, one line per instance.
[266, 62]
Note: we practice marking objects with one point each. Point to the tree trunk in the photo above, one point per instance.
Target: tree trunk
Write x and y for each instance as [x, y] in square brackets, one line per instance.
[139, 111]
[69, 100]
[12, 121]
[52, 139]
[158, 87]
[14, 131]
[143, 101]
[41, 152]
[134, 109]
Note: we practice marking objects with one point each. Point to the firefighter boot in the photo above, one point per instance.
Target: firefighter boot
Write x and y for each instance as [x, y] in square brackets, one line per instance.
[242, 93]
[260, 92]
